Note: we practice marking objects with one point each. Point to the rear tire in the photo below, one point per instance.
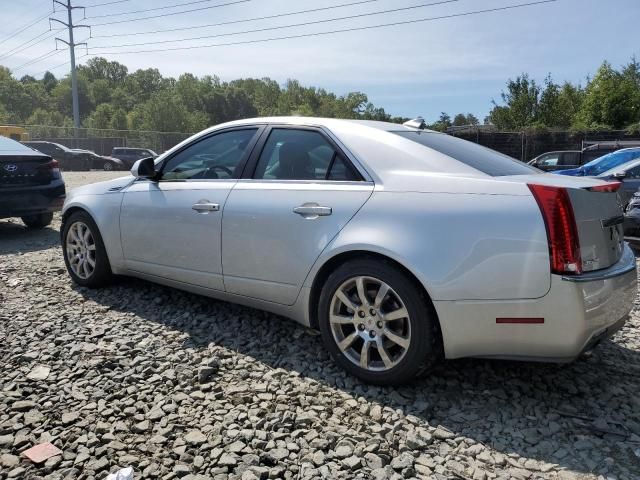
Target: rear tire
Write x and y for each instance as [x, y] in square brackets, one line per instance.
[108, 167]
[83, 249]
[39, 220]
[388, 338]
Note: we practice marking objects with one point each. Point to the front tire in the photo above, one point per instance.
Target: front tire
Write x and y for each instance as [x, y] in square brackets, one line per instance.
[39, 220]
[108, 167]
[83, 249]
[377, 324]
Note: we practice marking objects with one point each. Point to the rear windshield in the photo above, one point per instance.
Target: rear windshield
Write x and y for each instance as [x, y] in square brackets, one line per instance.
[476, 156]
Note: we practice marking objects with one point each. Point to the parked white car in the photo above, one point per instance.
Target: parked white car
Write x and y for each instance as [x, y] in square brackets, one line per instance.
[400, 244]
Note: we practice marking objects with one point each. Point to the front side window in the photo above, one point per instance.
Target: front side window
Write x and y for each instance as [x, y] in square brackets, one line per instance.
[292, 154]
[215, 157]
[550, 160]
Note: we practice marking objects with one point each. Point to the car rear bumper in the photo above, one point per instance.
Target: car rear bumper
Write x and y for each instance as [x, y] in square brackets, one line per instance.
[17, 202]
[576, 314]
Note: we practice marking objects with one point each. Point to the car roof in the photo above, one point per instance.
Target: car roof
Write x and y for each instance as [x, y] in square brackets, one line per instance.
[375, 147]
[320, 122]
[9, 146]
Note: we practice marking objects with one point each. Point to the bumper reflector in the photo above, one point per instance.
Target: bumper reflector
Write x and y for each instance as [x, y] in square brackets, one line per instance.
[520, 320]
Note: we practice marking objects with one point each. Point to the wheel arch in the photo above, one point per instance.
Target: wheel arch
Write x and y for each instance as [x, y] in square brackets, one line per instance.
[74, 208]
[333, 262]
[109, 232]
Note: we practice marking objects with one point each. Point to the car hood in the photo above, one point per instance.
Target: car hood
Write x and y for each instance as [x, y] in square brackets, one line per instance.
[573, 172]
[101, 188]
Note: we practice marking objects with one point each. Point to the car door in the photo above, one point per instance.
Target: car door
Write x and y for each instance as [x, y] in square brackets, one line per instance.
[299, 191]
[569, 160]
[171, 227]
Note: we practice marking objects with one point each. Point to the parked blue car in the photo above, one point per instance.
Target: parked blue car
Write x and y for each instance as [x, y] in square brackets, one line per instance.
[602, 164]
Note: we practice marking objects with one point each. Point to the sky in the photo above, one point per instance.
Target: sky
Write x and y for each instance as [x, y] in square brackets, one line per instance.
[453, 65]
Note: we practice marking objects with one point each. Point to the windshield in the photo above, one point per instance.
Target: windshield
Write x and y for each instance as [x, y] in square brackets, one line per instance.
[476, 156]
[609, 161]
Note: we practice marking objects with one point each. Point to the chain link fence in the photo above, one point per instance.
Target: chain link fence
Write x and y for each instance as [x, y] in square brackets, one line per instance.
[521, 145]
[102, 141]
[527, 145]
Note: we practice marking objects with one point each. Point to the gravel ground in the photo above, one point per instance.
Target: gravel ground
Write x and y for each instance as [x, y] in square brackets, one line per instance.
[181, 386]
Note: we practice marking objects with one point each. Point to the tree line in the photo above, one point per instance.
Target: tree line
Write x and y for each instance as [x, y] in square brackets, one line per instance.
[111, 97]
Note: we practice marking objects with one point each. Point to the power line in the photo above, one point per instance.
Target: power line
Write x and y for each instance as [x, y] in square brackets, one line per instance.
[268, 17]
[60, 65]
[18, 48]
[106, 3]
[344, 30]
[173, 13]
[313, 22]
[25, 27]
[36, 60]
[166, 7]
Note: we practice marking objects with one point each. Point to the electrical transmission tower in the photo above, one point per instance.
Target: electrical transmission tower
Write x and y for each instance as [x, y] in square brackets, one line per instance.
[72, 45]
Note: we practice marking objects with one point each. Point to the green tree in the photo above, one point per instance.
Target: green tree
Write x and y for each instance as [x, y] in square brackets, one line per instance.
[119, 120]
[462, 120]
[101, 117]
[610, 98]
[520, 107]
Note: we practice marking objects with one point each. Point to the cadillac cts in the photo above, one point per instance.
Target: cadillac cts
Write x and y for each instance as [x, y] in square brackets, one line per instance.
[401, 245]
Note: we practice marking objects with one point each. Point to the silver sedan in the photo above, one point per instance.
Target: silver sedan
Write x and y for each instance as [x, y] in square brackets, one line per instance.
[401, 245]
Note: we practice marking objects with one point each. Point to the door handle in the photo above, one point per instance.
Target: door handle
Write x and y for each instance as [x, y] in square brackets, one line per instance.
[204, 206]
[312, 210]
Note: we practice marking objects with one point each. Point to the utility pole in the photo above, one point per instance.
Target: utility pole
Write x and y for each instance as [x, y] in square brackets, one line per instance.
[72, 45]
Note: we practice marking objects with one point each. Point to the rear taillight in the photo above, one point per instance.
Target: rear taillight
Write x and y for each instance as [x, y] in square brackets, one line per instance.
[562, 232]
[606, 187]
[52, 167]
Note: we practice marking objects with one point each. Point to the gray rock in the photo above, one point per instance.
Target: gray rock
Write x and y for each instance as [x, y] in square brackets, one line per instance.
[9, 461]
[344, 451]
[23, 405]
[227, 459]
[442, 434]
[206, 374]
[39, 373]
[70, 417]
[141, 427]
[352, 462]
[402, 461]
[373, 461]
[195, 437]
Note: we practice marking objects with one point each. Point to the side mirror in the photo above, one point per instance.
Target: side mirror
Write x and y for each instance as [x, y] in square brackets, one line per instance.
[619, 175]
[144, 168]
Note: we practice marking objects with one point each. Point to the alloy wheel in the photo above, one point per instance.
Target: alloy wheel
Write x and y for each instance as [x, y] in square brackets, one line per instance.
[370, 323]
[81, 250]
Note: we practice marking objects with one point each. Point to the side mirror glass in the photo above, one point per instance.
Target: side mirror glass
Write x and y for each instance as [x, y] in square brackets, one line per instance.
[144, 168]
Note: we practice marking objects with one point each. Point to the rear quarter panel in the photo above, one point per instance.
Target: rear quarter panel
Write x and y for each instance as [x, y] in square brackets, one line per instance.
[460, 246]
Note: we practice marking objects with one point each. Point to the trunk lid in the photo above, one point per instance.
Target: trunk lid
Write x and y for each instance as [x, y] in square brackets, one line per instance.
[24, 170]
[598, 215]
[599, 218]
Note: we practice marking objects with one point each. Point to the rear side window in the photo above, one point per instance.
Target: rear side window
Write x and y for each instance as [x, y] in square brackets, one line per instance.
[476, 156]
[291, 154]
[570, 159]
